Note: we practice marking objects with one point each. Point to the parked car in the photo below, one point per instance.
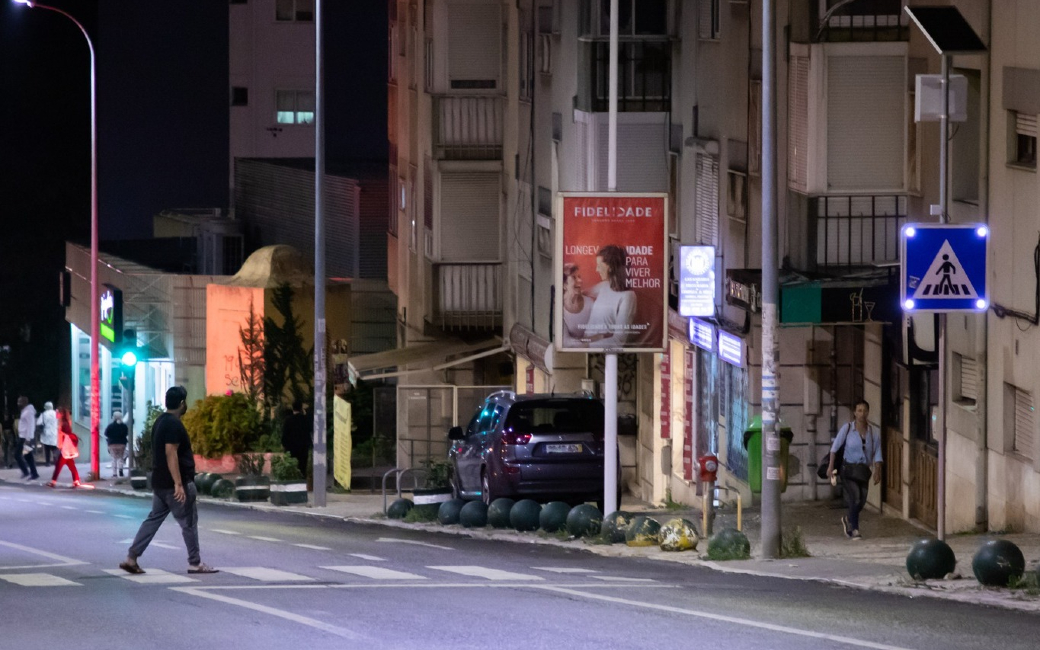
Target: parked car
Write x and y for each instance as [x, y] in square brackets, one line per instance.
[530, 446]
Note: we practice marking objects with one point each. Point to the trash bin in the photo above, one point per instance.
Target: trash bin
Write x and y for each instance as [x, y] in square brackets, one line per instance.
[753, 444]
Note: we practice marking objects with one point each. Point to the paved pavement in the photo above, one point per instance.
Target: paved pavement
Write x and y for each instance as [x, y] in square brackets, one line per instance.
[877, 562]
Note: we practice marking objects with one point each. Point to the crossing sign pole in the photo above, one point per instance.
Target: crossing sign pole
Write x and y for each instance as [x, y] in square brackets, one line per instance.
[943, 270]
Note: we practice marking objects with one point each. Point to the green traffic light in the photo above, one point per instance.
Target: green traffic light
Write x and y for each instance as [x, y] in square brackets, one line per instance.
[129, 358]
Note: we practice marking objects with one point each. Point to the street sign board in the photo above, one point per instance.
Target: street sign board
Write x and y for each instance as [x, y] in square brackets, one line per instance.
[696, 280]
[943, 267]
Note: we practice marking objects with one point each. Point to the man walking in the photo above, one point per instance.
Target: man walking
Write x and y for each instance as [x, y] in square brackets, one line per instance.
[860, 445]
[173, 483]
[25, 455]
[296, 435]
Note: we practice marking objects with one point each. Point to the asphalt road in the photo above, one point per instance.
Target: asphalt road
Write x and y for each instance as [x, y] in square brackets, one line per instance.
[292, 581]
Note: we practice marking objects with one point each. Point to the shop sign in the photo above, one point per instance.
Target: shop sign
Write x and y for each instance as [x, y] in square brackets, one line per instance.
[697, 280]
[702, 334]
[110, 327]
[612, 261]
[731, 349]
[744, 289]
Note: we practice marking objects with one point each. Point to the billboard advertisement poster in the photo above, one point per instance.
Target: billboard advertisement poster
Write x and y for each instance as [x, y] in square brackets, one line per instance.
[612, 270]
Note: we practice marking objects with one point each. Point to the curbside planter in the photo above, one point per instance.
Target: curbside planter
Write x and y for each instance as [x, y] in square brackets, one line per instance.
[139, 479]
[252, 488]
[287, 493]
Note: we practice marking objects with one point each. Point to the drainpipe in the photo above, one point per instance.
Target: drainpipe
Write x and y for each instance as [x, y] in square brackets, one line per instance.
[982, 329]
[811, 409]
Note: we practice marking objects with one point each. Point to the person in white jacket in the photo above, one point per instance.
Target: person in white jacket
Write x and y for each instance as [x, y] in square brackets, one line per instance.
[49, 438]
[27, 433]
[615, 305]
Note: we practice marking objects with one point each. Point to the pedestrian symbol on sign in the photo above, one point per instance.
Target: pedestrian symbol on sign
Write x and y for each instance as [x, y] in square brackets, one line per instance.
[945, 278]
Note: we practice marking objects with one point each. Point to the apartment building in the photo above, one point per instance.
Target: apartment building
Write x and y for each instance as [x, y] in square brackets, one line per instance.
[495, 108]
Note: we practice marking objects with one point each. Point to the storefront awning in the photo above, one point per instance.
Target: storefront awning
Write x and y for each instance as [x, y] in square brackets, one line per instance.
[427, 356]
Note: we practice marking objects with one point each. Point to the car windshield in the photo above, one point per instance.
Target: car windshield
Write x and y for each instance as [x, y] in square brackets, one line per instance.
[556, 416]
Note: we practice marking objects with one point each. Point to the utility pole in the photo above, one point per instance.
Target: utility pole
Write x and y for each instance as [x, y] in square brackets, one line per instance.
[770, 294]
[610, 455]
[320, 468]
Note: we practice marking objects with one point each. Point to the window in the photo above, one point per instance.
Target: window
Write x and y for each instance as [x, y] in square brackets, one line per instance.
[644, 76]
[1023, 139]
[294, 10]
[635, 18]
[526, 63]
[294, 106]
[736, 195]
[706, 201]
[966, 370]
[708, 24]
[239, 96]
[474, 46]
[1020, 420]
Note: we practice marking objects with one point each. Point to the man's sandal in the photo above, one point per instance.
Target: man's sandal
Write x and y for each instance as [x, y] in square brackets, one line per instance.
[202, 568]
[131, 567]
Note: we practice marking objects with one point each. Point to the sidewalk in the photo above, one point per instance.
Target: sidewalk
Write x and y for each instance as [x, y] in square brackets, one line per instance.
[877, 562]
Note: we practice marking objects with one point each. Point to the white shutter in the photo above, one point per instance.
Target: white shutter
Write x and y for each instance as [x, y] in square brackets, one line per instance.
[865, 122]
[474, 42]
[708, 19]
[707, 199]
[969, 378]
[1025, 125]
[798, 118]
[1025, 424]
[470, 206]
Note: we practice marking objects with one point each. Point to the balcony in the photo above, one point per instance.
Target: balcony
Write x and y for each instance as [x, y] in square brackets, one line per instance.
[467, 127]
[861, 21]
[856, 230]
[467, 295]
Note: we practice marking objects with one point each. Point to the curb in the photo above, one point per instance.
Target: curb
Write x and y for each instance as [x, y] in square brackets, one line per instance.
[605, 550]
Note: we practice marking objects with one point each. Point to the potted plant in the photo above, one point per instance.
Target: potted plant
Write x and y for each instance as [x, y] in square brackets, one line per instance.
[251, 484]
[288, 485]
[141, 472]
[436, 487]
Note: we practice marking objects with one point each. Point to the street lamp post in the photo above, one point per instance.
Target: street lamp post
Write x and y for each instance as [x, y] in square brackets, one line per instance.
[95, 380]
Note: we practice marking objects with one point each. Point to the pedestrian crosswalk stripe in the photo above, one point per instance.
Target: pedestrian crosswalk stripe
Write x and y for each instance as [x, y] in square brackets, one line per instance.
[945, 277]
[124, 516]
[312, 546]
[484, 572]
[68, 508]
[560, 569]
[151, 577]
[370, 558]
[38, 580]
[376, 573]
[224, 532]
[95, 512]
[266, 575]
[264, 539]
[621, 579]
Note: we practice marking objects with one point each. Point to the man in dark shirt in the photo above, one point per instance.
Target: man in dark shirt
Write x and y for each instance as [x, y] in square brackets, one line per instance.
[173, 485]
[296, 435]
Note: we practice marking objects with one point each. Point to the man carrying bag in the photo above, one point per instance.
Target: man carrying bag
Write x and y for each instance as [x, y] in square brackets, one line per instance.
[859, 444]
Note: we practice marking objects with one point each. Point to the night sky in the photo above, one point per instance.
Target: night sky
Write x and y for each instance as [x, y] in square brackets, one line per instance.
[162, 138]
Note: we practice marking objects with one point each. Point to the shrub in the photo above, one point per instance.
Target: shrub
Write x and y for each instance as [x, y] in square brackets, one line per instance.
[250, 464]
[143, 443]
[222, 424]
[285, 468]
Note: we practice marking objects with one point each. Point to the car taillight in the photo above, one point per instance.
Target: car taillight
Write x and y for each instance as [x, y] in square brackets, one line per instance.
[511, 438]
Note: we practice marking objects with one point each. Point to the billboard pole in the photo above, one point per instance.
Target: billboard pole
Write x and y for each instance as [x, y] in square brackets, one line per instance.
[610, 459]
[770, 294]
[320, 470]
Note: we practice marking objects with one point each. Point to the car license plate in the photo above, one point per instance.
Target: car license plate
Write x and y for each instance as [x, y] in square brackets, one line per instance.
[563, 449]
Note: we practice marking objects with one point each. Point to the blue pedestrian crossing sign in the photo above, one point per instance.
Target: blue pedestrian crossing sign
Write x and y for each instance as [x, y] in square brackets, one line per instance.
[944, 267]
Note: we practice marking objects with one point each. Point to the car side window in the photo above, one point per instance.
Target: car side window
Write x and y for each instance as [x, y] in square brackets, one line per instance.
[471, 428]
[497, 417]
[485, 419]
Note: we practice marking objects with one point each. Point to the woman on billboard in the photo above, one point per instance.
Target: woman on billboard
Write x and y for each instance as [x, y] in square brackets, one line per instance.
[615, 305]
[576, 306]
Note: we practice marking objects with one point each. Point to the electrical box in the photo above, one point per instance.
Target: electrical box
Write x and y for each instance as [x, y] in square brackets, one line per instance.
[928, 94]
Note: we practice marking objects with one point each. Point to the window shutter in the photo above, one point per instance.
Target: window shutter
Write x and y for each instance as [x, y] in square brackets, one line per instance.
[969, 378]
[707, 199]
[1025, 425]
[474, 41]
[469, 216]
[708, 19]
[865, 122]
[798, 117]
[1025, 125]
[642, 157]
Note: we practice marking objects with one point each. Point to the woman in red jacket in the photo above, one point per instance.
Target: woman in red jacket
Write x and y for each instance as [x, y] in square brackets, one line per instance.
[68, 450]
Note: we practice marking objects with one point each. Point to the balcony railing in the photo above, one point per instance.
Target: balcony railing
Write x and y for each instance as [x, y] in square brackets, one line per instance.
[862, 20]
[467, 127]
[856, 230]
[468, 295]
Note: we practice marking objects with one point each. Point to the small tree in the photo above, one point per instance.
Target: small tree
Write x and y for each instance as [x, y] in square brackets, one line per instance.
[251, 357]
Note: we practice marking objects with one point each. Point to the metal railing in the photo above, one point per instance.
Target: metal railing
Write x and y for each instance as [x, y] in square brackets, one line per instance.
[866, 21]
[468, 295]
[467, 127]
[856, 230]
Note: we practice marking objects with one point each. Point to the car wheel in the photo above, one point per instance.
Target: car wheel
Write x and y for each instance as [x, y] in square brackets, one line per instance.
[485, 488]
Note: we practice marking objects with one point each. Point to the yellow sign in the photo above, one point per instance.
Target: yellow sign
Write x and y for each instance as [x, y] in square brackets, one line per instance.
[342, 441]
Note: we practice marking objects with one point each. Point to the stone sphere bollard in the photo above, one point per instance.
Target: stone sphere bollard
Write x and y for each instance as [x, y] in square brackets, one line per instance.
[996, 562]
[930, 559]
